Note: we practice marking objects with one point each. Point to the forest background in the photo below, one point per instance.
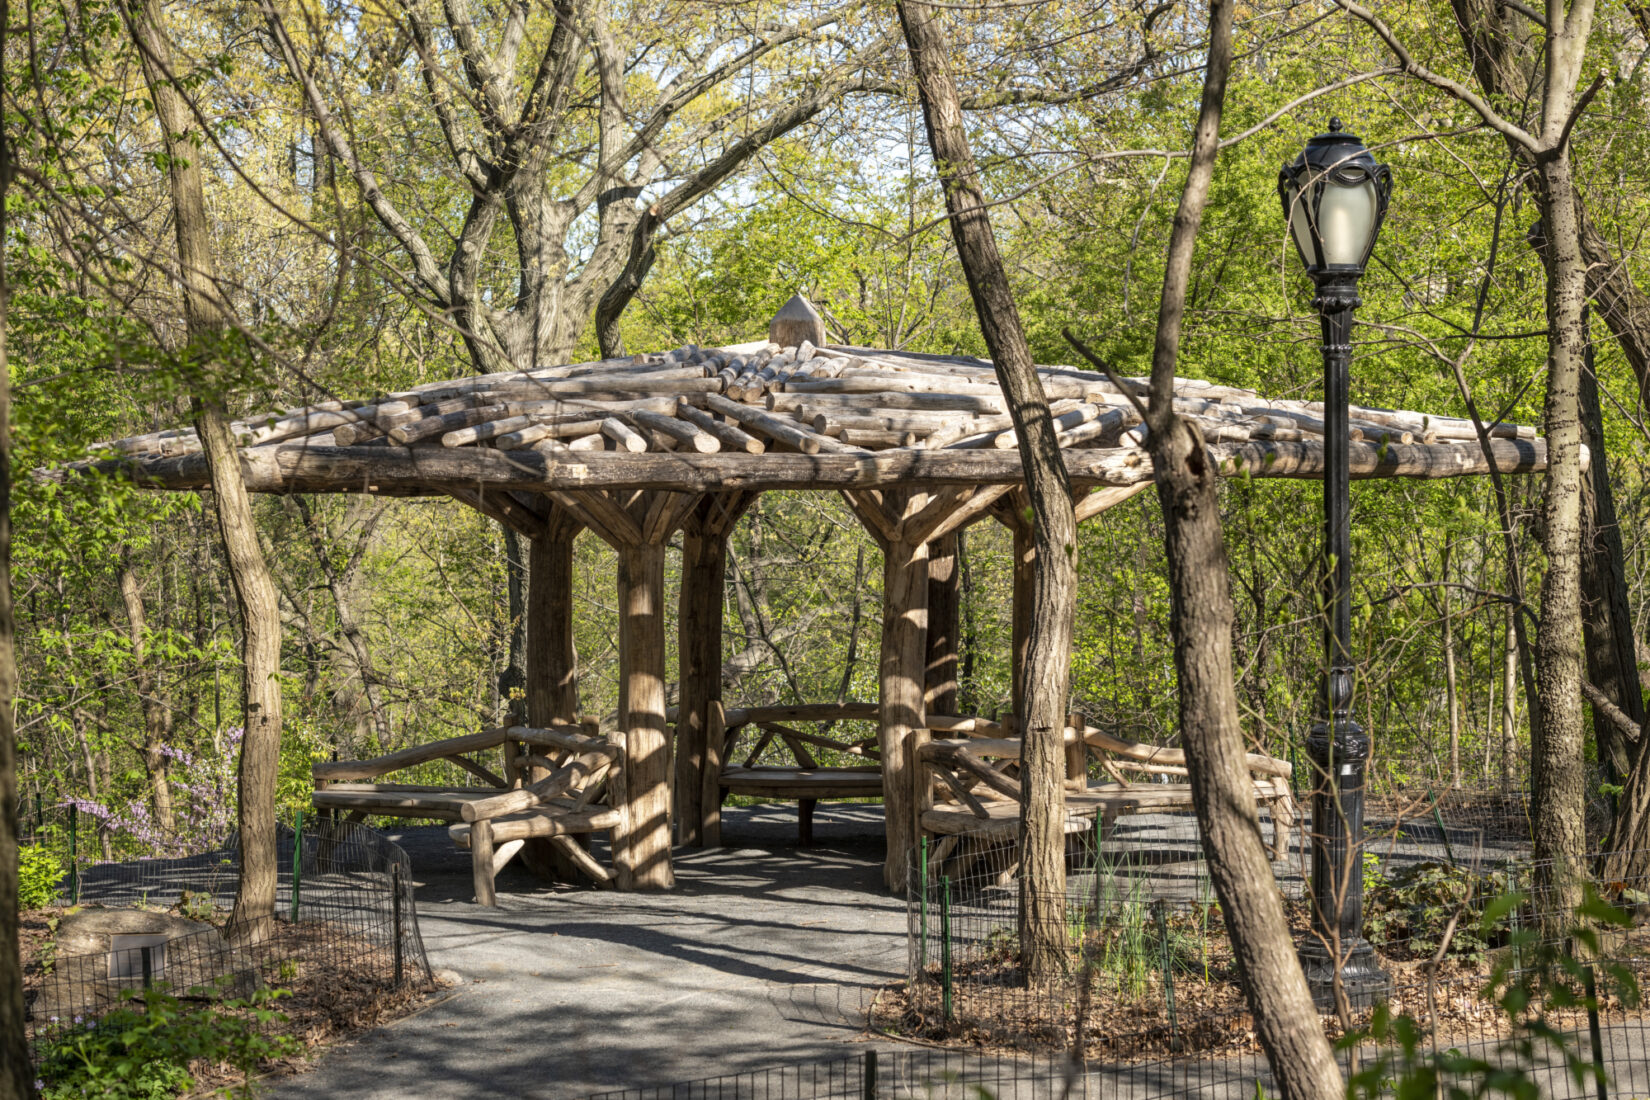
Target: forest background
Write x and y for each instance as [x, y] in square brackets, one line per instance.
[402, 618]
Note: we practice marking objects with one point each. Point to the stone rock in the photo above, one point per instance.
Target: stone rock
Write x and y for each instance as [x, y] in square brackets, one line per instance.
[86, 982]
[88, 932]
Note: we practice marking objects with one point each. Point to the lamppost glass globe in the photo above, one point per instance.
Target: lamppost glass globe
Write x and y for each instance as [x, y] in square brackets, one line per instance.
[1334, 196]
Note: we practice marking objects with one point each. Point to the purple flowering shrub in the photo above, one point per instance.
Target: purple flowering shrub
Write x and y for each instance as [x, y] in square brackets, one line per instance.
[205, 794]
[203, 806]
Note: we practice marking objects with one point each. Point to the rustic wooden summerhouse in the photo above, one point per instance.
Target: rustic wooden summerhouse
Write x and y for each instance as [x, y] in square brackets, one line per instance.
[637, 449]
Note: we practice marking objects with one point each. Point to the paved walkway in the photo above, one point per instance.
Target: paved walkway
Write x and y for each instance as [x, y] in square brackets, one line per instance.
[764, 954]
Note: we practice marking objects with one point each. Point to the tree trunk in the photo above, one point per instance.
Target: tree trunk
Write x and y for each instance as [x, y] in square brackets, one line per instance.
[1048, 649]
[211, 334]
[157, 716]
[944, 606]
[1286, 1021]
[1607, 629]
[16, 1068]
[1558, 777]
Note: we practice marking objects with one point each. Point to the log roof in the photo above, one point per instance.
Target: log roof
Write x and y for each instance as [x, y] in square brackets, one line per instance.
[762, 416]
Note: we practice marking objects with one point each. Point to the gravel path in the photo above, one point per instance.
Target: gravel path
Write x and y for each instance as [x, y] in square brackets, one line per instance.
[764, 954]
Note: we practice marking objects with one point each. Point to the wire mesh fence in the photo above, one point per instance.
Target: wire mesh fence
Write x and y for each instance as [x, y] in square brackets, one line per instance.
[343, 928]
[932, 1074]
[1140, 969]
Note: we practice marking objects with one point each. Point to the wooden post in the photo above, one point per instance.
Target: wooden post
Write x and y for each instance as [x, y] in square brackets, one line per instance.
[699, 657]
[796, 322]
[1011, 510]
[904, 523]
[638, 525]
[902, 718]
[944, 625]
[710, 794]
[481, 862]
[643, 859]
[552, 662]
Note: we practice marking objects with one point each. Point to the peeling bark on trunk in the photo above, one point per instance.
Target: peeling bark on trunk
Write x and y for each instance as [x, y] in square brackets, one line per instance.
[1048, 648]
[211, 335]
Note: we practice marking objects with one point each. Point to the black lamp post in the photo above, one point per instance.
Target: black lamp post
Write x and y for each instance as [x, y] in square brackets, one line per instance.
[1334, 198]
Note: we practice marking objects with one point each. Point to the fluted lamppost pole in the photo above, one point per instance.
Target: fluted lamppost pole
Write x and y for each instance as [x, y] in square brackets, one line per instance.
[1334, 198]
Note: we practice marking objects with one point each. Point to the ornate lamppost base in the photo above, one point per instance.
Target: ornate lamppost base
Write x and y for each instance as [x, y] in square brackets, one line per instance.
[1362, 978]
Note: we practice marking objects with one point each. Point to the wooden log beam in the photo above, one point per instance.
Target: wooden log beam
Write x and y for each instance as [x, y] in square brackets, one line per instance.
[480, 771]
[729, 436]
[428, 471]
[849, 711]
[414, 754]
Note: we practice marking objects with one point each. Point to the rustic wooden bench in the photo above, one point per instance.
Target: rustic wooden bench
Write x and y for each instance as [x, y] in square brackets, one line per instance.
[977, 797]
[555, 780]
[807, 781]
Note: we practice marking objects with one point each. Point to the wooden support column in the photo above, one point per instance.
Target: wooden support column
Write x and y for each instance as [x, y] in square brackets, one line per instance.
[902, 719]
[1011, 511]
[944, 626]
[903, 523]
[699, 762]
[643, 858]
[552, 664]
[638, 524]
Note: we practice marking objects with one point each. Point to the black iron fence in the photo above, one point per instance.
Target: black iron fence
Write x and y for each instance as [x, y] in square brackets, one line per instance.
[344, 924]
[883, 1073]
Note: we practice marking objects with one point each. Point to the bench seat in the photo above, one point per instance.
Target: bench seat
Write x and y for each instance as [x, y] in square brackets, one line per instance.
[399, 800]
[804, 786]
[797, 783]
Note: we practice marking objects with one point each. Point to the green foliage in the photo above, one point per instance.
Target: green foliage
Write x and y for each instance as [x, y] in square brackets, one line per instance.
[1416, 904]
[145, 1053]
[1532, 984]
[39, 872]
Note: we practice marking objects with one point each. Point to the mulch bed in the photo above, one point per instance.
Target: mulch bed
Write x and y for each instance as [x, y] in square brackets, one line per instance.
[338, 985]
[1126, 1017]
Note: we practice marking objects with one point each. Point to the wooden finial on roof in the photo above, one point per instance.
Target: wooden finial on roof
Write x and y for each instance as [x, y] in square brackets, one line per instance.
[796, 321]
